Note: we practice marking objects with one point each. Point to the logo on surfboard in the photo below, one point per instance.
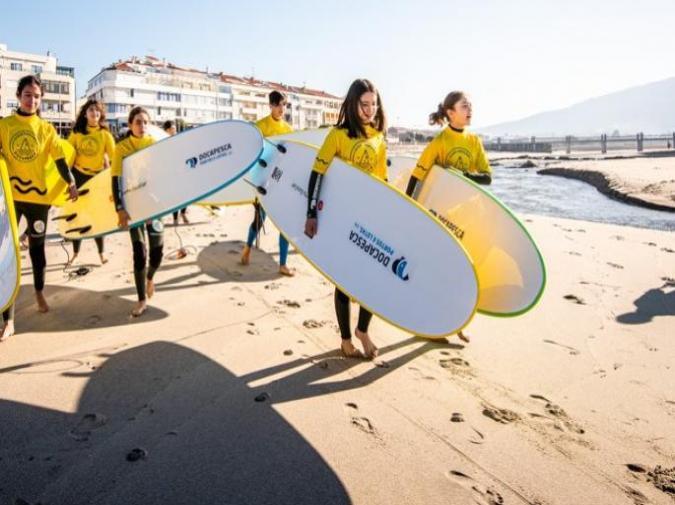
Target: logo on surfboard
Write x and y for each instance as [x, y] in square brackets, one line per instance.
[379, 250]
[208, 156]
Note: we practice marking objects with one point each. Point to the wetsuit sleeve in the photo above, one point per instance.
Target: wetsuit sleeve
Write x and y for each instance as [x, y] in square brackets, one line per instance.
[117, 193]
[426, 160]
[327, 152]
[64, 171]
[412, 186]
[313, 193]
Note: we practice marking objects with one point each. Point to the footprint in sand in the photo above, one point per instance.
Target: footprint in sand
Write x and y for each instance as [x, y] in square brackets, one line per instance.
[360, 422]
[667, 249]
[650, 244]
[453, 363]
[575, 299]
[312, 324]
[615, 265]
[483, 495]
[87, 424]
[457, 417]
[420, 375]
[503, 416]
[289, 303]
[558, 416]
[573, 253]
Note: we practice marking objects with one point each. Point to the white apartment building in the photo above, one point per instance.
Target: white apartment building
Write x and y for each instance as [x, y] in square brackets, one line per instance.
[194, 97]
[58, 102]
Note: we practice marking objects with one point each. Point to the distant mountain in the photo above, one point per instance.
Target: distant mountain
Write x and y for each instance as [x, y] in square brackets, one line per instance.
[649, 108]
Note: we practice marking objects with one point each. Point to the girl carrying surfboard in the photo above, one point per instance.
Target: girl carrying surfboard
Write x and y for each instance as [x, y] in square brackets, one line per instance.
[453, 148]
[138, 139]
[359, 139]
[27, 143]
[94, 150]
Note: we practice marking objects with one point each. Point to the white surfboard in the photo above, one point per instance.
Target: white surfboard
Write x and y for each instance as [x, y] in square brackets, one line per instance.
[510, 268]
[164, 177]
[377, 245]
[10, 266]
[239, 192]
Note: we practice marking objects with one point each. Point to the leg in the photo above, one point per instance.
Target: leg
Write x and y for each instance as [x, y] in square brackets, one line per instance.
[183, 215]
[362, 333]
[342, 311]
[139, 250]
[37, 229]
[100, 246]
[283, 256]
[253, 230]
[156, 243]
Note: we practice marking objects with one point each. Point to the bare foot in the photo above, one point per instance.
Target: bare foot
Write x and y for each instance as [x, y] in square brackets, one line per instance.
[149, 288]
[245, 256]
[463, 338]
[7, 330]
[369, 348]
[104, 260]
[349, 351]
[23, 242]
[42, 303]
[140, 307]
[185, 219]
[284, 270]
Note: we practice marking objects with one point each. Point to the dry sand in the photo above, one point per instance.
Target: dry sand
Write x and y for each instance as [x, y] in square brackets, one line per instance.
[572, 403]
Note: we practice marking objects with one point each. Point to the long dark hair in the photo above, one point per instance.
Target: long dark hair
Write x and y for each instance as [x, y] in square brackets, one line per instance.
[132, 115]
[440, 116]
[81, 123]
[349, 111]
[28, 80]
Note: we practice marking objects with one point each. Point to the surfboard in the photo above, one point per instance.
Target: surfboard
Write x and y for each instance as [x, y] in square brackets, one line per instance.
[240, 192]
[10, 259]
[164, 177]
[374, 243]
[511, 270]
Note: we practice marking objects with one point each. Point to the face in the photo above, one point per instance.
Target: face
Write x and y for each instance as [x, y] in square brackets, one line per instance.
[171, 130]
[93, 115]
[139, 125]
[277, 111]
[367, 107]
[460, 115]
[29, 99]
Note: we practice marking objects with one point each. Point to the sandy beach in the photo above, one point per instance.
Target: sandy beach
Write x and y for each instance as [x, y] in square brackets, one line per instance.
[230, 389]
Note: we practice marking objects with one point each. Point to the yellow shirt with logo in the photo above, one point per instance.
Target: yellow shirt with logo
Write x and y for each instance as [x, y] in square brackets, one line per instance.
[127, 147]
[27, 144]
[369, 154]
[462, 151]
[90, 149]
[269, 126]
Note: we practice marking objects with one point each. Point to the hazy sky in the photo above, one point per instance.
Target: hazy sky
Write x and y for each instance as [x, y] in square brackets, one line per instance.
[514, 58]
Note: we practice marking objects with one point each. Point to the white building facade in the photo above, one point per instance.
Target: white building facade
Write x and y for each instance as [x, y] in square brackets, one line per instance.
[192, 97]
[58, 102]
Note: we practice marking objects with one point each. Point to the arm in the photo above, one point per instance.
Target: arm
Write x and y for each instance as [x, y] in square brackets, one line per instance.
[313, 194]
[484, 172]
[116, 173]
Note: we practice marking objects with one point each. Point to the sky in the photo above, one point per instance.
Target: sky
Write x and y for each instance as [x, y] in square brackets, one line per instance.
[514, 58]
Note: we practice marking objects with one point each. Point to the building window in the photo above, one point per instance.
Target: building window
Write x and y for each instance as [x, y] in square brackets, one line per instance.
[12, 104]
[131, 92]
[36, 69]
[16, 66]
